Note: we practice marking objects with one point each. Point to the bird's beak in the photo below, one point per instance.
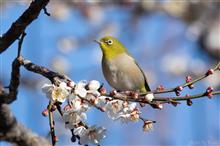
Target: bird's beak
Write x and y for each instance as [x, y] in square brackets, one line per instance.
[97, 41]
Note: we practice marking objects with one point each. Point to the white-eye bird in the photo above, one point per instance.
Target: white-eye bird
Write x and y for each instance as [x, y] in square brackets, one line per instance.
[119, 68]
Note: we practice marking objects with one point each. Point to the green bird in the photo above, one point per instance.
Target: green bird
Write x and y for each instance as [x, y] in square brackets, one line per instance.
[119, 68]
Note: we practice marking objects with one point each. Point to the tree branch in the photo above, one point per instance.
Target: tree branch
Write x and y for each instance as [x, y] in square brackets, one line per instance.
[18, 27]
[14, 132]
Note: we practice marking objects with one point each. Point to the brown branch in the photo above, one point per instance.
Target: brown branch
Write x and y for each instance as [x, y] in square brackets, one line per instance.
[52, 124]
[14, 132]
[14, 83]
[20, 44]
[181, 98]
[54, 77]
[19, 26]
[216, 68]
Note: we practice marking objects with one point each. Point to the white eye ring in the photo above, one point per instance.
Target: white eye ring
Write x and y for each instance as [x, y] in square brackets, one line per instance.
[109, 42]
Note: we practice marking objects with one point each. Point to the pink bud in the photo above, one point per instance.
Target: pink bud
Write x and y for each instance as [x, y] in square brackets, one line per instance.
[209, 89]
[55, 138]
[102, 90]
[189, 102]
[160, 88]
[188, 79]
[209, 72]
[179, 88]
[113, 93]
[191, 86]
[177, 93]
[45, 112]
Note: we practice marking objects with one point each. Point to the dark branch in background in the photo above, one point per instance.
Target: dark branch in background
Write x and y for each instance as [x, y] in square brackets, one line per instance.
[18, 27]
[20, 43]
[14, 132]
[46, 12]
[15, 75]
[14, 83]
[10, 130]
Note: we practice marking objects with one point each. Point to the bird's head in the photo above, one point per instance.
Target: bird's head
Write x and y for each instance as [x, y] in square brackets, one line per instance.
[111, 47]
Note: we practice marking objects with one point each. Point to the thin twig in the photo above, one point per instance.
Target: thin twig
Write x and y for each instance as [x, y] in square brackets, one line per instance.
[51, 123]
[46, 12]
[185, 97]
[19, 26]
[184, 84]
[20, 43]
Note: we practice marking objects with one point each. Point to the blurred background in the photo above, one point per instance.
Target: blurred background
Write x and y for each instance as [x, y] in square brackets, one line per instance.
[169, 39]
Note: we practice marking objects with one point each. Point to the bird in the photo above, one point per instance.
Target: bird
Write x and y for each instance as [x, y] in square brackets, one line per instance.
[120, 69]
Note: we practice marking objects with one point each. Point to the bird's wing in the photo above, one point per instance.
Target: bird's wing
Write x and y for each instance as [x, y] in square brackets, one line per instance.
[145, 79]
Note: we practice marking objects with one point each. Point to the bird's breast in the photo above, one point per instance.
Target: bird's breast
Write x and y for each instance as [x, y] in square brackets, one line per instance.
[122, 73]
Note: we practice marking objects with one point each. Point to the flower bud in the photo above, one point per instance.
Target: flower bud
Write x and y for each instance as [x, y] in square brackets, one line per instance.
[179, 88]
[209, 72]
[189, 102]
[102, 91]
[93, 85]
[45, 113]
[188, 79]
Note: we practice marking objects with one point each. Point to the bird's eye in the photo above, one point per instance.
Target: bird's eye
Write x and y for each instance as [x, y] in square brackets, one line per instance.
[109, 42]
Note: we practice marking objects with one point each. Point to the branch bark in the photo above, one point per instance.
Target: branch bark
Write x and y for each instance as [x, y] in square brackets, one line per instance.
[18, 27]
[14, 132]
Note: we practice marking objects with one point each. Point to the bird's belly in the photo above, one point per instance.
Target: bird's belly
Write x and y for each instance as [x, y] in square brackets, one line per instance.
[118, 77]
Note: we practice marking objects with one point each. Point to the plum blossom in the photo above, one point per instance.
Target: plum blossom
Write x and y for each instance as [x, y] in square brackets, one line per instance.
[56, 93]
[113, 108]
[92, 135]
[130, 113]
[149, 97]
[73, 118]
[78, 105]
[148, 125]
[80, 89]
[120, 110]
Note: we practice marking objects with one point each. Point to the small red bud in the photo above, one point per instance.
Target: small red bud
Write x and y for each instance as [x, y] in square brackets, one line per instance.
[134, 95]
[209, 89]
[179, 88]
[102, 90]
[191, 86]
[209, 72]
[189, 102]
[188, 79]
[113, 93]
[219, 67]
[160, 88]
[55, 138]
[177, 93]
[160, 106]
[45, 113]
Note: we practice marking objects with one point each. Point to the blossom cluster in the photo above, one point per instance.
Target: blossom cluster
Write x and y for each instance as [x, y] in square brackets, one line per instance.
[79, 98]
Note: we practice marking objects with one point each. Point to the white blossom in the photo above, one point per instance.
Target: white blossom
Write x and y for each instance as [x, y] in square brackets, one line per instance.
[149, 97]
[56, 93]
[92, 135]
[73, 118]
[80, 89]
[113, 109]
[94, 85]
[77, 105]
[148, 126]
